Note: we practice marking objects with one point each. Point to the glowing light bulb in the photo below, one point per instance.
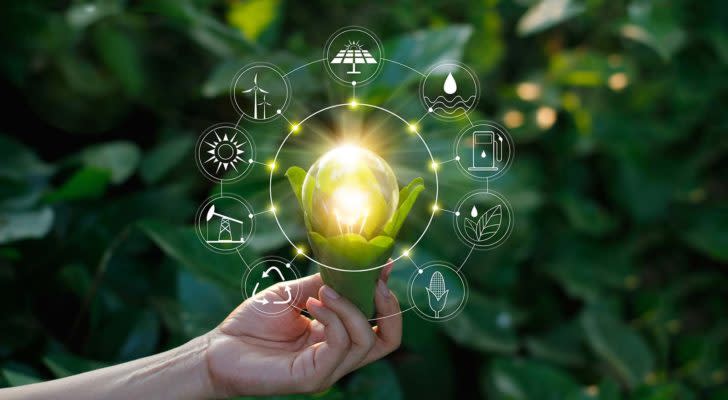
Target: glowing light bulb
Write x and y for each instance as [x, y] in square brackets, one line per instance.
[349, 190]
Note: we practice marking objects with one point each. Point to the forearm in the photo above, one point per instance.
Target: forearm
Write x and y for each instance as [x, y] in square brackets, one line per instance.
[180, 373]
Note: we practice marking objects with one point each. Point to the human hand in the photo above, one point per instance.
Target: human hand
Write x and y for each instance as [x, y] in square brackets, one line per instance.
[255, 354]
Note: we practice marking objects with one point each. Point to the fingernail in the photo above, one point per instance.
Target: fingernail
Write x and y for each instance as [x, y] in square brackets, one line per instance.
[312, 304]
[330, 293]
[383, 289]
[388, 270]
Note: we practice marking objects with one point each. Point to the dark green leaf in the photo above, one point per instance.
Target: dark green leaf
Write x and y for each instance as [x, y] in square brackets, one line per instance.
[25, 225]
[618, 345]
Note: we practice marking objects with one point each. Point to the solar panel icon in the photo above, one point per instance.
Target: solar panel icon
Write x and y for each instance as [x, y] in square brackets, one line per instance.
[353, 53]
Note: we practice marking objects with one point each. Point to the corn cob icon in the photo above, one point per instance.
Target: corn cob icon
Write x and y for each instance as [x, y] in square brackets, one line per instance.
[437, 291]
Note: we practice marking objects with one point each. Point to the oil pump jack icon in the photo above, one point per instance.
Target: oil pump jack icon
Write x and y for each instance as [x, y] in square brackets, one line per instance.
[225, 234]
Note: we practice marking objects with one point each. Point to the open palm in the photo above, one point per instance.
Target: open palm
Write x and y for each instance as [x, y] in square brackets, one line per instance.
[256, 354]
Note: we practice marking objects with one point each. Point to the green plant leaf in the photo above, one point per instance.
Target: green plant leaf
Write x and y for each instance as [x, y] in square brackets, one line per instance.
[86, 183]
[17, 378]
[547, 13]
[485, 325]
[407, 198]
[25, 224]
[119, 158]
[182, 245]
[704, 229]
[375, 381]
[162, 159]
[19, 162]
[63, 364]
[120, 54]
[524, 379]
[619, 346]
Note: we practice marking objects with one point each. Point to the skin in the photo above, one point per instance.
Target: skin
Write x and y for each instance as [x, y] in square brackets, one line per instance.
[250, 353]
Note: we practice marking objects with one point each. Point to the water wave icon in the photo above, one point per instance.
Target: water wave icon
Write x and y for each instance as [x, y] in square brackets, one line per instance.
[450, 106]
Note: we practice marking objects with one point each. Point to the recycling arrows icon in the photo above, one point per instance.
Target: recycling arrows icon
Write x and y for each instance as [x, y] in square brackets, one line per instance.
[266, 274]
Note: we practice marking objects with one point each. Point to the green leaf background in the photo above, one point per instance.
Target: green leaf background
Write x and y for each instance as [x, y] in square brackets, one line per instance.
[613, 284]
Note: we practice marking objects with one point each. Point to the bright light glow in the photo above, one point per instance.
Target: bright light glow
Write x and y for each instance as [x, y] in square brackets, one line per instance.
[528, 91]
[545, 117]
[272, 208]
[295, 127]
[299, 250]
[272, 165]
[351, 209]
[434, 165]
[413, 128]
[513, 118]
[353, 103]
[406, 253]
[618, 81]
[435, 207]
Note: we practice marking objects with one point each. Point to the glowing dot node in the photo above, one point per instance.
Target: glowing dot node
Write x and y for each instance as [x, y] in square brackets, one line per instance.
[435, 207]
[406, 253]
[288, 265]
[419, 271]
[457, 213]
[413, 128]
[295, 127]
[430, 109]
[250, 216]
[250, 160]
[299, 251]
[278, 111]
[457, 158]
[353, 83]
[273, 209]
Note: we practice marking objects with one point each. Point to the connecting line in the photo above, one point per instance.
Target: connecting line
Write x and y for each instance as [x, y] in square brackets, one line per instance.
[406, 66]
[422, 117]
[287, 120]
[303, 66]
[392, 315]
[469, 120]
[353, 89]
[448, 161]
[258, 162]
[251, 216]
[221, 185]
[487, 185]
[413, 262]
[466, 258]
[456, 213]
[242, 258]
[295, 256]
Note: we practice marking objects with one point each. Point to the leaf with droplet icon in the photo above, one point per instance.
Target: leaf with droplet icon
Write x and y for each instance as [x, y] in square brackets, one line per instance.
[489, 223]
[470, 229]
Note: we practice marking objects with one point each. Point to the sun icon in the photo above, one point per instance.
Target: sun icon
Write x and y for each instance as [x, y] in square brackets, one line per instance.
[225, 152]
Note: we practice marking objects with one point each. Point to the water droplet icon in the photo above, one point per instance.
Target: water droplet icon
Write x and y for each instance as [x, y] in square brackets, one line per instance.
[474, 212]
[450, 86]
[482, 154]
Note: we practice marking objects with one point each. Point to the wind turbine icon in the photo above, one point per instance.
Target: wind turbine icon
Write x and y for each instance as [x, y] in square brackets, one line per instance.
[255, 89]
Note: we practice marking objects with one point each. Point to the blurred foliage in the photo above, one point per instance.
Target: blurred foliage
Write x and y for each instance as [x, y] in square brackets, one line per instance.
[612, 286]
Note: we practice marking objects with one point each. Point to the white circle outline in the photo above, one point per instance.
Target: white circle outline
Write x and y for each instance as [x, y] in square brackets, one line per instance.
[275, 161]
[364, 31]
[431, 264]
[464, 238]
[209, 200]
[473, 76]
[248, 165]
[503, 131]
[286, 264]
[260, 64]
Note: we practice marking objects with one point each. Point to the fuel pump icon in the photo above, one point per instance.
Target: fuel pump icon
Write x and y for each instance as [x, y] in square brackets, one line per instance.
[487, 150]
